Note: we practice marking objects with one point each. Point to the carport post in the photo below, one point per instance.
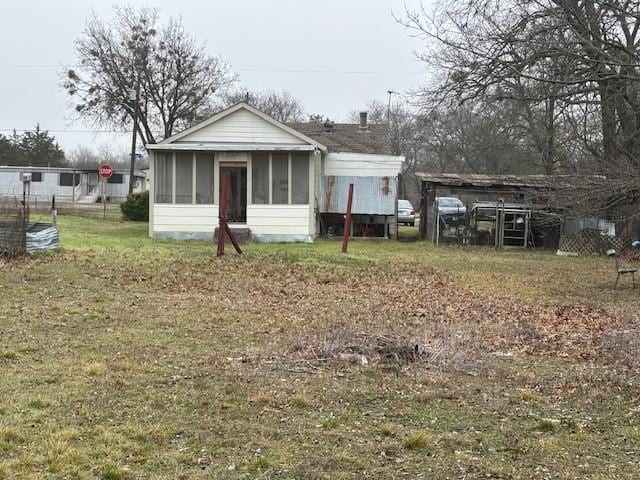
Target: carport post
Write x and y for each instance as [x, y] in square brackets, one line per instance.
[347, 220]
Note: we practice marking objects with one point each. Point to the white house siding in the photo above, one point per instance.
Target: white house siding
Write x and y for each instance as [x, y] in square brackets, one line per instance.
[241, 126]
[280, 223]
[268, 223]
[362, 165]
[190, 222]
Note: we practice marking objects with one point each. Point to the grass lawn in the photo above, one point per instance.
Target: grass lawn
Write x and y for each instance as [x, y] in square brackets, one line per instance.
[126, 358]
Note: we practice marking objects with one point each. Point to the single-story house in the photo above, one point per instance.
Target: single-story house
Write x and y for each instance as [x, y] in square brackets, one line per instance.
[66, 184]
[287, 181]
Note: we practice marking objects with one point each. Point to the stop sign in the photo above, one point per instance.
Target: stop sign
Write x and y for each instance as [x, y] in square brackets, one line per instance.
[105, 171]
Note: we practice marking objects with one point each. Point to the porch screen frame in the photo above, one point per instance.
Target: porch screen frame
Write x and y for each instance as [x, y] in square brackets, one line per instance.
[290, 181]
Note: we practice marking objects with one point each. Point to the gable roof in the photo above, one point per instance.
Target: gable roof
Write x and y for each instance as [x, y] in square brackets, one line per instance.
[226, 113]
[348, 138]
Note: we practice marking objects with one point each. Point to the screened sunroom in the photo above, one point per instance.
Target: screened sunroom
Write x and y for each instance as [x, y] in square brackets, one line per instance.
[267, 190]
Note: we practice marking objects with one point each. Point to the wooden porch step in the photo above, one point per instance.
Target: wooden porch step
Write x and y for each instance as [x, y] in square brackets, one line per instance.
[242, 234]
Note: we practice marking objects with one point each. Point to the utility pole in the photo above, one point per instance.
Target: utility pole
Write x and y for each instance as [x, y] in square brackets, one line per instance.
[389, 92]
[134, 95]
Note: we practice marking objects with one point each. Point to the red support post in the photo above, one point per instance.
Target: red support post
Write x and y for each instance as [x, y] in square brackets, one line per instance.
[222, 215]
[223, 226]
[347, 220]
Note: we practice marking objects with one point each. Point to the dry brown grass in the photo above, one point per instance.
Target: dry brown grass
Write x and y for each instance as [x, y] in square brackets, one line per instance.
[192, 367]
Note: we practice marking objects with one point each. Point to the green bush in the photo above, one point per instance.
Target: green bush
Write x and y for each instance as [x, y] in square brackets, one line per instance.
[136, 207]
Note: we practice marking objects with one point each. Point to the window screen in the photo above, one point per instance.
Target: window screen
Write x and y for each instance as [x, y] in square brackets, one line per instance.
[280, 178]
[116, 178]
[67, 179]
[204, 177]
[163, 173]
[184, 177]
[260, 178]
[300, 178]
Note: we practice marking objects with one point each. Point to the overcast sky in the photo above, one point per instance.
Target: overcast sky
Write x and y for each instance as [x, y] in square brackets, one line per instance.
[333, 55]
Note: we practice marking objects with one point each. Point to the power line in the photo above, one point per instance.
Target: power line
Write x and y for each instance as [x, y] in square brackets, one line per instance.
[61, 130]
[248, 69]
[347, 72]
[35, 105]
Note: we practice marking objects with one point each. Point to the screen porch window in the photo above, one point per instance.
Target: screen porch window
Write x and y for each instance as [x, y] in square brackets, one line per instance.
[289, 174]
[163, 177]
[204, 178]
[260, 178]
[300, 178]
[279, 178]
[184, 177]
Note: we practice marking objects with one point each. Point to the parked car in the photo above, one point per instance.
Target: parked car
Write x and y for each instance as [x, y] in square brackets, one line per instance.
[406, 213]
[452, 210]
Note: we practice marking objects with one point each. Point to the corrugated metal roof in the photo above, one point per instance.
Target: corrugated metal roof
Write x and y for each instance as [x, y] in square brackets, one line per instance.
[371, 195]
[480, 180]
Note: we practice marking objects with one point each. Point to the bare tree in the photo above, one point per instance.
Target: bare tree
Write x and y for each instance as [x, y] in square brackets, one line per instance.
[84, 156]
[280, 105]
[177, 77]
[557, 61]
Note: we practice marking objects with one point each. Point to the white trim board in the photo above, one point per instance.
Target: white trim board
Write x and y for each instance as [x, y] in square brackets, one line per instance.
[232, 147]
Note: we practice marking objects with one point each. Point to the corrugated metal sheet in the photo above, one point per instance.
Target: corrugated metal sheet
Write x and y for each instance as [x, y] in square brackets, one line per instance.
[371, 195]
[42, 236]
[484, 181]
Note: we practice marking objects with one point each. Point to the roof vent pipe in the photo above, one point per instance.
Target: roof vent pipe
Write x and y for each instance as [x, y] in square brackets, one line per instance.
[363, 121]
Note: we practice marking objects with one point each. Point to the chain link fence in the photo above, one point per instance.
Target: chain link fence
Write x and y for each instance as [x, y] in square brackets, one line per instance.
[14, 221]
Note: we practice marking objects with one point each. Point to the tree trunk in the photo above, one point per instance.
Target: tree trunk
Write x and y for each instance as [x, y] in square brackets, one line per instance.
[609, 124]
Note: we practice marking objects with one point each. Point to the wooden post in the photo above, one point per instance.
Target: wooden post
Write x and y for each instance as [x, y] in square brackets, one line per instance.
[424, 202]
[223, 226]
[497, 226]
[23, 232]
[347, 220]
[437, 221]
[222, 215]
[54, 212]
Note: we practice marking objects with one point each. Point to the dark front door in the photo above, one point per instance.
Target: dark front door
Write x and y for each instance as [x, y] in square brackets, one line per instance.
[237, 194]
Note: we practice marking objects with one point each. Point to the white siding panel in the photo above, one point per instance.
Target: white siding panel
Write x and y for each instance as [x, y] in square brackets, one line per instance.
[362, 165]
[278, 219]
[242, 126]
[261, 219]
[278, 230]
[185, 218]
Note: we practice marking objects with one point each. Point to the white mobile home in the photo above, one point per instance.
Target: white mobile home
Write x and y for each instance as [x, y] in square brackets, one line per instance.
[66, 184]
[276, 171]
